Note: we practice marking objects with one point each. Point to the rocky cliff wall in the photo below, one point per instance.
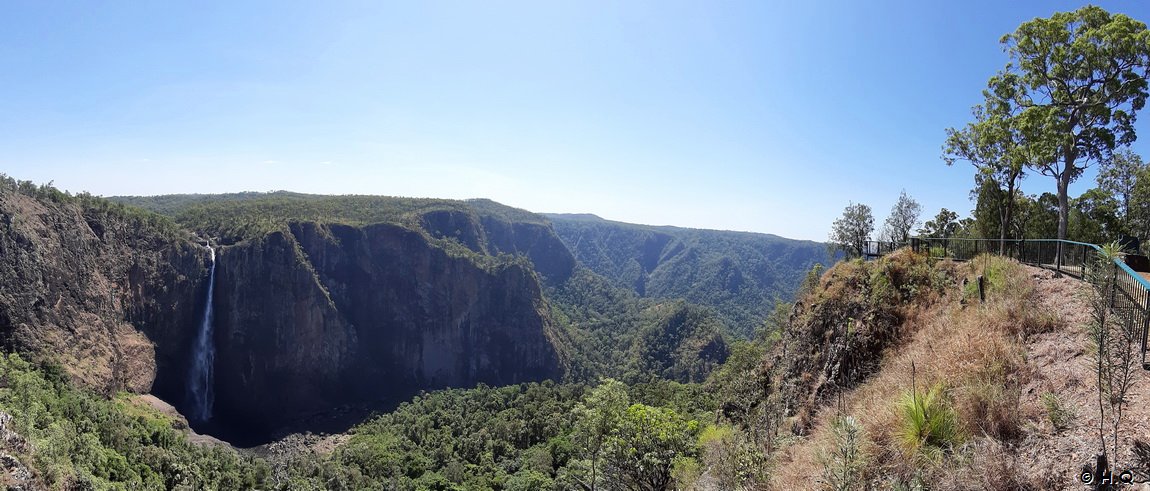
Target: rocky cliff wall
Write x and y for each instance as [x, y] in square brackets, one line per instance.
[115, 299]
[330, 315]
[493, 235]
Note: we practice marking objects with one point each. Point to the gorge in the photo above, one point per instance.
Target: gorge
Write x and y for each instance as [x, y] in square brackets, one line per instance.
[302, 307]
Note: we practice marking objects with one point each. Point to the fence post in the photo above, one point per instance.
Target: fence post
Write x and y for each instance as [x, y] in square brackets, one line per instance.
[1058, 256]
[1084, 262]
[1113, 282]
[1145, 323]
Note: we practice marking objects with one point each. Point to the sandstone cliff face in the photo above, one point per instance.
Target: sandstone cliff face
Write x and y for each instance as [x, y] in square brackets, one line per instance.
[491, 235]
[326, 315]
[114, 300]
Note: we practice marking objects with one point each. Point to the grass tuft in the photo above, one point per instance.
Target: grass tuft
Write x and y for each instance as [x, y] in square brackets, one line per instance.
[1059, 415]
[929, 421]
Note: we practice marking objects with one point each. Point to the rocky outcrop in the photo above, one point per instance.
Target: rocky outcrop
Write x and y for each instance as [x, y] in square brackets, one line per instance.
[493, 235]
[536, 241]
[839, 330]
[109, 295]
[328, 315]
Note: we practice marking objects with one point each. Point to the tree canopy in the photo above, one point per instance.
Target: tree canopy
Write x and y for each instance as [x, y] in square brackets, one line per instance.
[995, 145]
[943, 226]
[1075, 82]
[903, 218]
[851, 231]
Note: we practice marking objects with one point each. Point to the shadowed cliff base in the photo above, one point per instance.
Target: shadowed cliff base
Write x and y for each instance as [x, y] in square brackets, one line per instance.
[254, 435]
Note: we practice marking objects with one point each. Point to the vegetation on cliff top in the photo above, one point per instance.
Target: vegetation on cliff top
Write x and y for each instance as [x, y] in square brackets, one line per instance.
[239, 216]
[95, 206]
[740, 275]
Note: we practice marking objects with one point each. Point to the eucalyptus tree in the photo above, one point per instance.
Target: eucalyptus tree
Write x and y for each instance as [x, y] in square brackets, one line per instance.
[903, 217]
[943, 226]
[996, 145]
[1077, 80]
[597, 421]
[1118, 176]
[1139, 211]
[851, 231]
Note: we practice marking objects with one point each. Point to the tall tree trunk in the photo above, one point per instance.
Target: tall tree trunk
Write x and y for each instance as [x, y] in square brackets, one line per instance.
[1010, 201]
[1006, 214]
[1063, 204]
[1003, 219]
[1068, 157]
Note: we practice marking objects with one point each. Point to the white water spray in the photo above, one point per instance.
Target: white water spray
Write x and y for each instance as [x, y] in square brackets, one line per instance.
[203, 358]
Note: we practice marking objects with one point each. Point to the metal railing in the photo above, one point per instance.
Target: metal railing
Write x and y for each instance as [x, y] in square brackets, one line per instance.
[874, 248]
[1130, 292]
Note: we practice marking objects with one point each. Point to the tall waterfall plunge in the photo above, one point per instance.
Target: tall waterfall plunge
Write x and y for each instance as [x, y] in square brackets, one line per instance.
[203, 358]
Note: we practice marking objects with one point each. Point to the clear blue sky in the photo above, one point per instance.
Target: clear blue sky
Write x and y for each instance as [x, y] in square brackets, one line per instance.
[760, 116]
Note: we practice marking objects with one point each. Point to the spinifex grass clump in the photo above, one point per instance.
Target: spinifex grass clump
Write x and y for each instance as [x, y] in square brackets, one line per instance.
[929, 421]
[1059, 415]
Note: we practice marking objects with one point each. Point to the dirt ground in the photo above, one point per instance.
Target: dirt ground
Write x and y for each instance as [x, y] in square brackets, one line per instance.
[1062, 363]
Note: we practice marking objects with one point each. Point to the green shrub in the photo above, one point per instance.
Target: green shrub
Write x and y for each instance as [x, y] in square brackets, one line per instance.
[731, 458]
[83, 441]
[929, 421]
[1060, 416]
[844, 467]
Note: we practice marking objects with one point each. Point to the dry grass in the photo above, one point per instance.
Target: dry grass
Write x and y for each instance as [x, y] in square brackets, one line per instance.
[973, 350]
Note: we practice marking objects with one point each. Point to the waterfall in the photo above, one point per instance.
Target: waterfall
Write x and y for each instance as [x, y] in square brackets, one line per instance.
[203, 357]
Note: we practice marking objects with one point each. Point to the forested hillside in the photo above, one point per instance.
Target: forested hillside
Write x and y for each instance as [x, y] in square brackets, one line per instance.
[741, 275]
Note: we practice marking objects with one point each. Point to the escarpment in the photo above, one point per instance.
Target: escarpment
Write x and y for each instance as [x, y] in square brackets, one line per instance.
[325, 315]
[489, 234]
[111, 295]
[739, 274]
[324, 307]
[309, 317]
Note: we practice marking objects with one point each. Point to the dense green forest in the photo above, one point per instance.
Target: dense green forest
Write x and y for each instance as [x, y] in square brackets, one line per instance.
[239, 216]
[521, 437]
[740, 275]
[74, 439]
[612, 332]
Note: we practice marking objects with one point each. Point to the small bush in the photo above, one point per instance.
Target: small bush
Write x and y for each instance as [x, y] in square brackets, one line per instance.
[845, 467]
[1060, 416]
[732, 459]
[929, 421]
